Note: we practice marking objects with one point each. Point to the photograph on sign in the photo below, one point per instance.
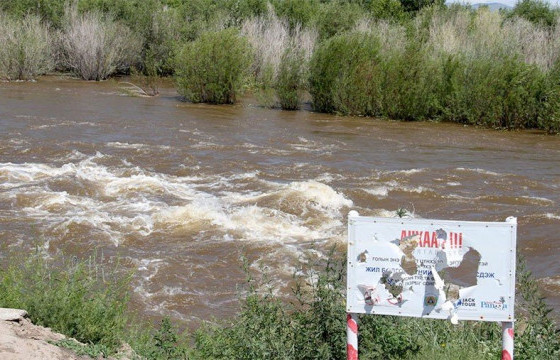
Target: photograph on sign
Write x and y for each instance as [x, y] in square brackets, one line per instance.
[442, 269]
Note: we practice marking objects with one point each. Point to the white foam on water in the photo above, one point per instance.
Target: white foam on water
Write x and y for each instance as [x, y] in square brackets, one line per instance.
[379, 191]
[405, 172]
[64, 123]
[552, 216]
[538, 200]
[15, 174]
[135, 146]
[479, 171]
[307, 145]
[122, 199]
[320, 193]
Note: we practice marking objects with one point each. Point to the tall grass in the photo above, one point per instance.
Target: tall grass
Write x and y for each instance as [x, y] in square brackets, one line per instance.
[459, 65]
[83, 299]
[74, 298]
[95, 46]
[88, 301]
[311, 325]
[26, 49]
[281, 59]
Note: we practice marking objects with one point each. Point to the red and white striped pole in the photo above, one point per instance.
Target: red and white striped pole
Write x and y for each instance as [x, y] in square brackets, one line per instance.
[507, 341]
[352, 334]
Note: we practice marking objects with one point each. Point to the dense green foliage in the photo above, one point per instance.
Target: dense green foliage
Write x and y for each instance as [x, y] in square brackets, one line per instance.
[536, 11]
[81, 299]
[213, 68]
[25, 48]
[86, 301]
[346, 75]
[401, 59]
[71, 298]
[290, 82]
[312, 326]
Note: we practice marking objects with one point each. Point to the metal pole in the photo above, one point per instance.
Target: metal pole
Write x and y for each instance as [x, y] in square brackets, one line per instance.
[507, 341]
[352, 334]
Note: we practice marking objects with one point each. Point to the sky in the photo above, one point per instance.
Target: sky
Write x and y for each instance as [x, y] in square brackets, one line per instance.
[506, 2]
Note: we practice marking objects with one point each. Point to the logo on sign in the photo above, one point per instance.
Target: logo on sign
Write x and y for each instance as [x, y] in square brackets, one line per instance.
[430, 300]
[496, 305]
[466, 302]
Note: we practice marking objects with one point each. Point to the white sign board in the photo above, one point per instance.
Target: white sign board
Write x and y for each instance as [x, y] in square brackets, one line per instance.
[455, 270]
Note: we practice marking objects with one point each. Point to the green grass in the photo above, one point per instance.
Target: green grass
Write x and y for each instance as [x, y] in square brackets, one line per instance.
[89, 302]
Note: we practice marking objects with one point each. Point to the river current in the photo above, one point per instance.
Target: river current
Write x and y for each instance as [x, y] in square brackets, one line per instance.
[179, 192]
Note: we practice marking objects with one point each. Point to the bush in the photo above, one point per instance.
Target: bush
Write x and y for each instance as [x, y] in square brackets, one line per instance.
[25, 48]
[213, 68]
[412, 86]
[498, 94]
[50, 11]
[297, 12]
[313, 326]
[387, 9]
[281, 59]
[540, 337]
[80, 299]
[94, 46]
[346, 75]
[291, 80]
[536, 11]
[337, 17]
[72, 298]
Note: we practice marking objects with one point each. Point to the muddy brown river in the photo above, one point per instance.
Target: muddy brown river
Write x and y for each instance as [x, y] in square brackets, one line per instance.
[179, 192]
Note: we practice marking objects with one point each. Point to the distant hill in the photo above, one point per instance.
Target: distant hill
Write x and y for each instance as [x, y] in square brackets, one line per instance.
[492, 6]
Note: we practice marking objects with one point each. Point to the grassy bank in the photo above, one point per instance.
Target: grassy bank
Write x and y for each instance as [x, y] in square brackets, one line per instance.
[395, 59]
[89, 302]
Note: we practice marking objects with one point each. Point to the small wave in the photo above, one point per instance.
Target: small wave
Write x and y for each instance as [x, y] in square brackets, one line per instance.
[479, 171]
[380, 191]
[133, 146]
[120, 200]
[552, 216]
[64, 123]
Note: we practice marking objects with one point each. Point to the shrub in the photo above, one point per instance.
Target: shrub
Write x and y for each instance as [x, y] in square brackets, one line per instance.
[213, 68]
[73, 298]
[387, 9]
[540, 337]
[291, 79]
[337, 17]
[499, 94]
[94, 46]
[50, 11]
[311, 325]
[25, 48]
[346, 75]
[536, 11]
[281, 59]
[297, 12]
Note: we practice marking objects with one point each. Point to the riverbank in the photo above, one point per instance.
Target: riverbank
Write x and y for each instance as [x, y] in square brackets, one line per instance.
[433, 62]
[309, 325]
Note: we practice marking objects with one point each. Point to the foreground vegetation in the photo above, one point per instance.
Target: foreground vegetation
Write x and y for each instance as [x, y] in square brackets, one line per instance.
[388, 58]
[89, 302]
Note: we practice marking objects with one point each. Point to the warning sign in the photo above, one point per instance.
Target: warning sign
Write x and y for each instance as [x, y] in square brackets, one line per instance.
[457, 270]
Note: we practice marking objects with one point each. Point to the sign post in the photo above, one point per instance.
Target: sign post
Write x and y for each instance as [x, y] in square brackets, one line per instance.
[438, 269]
[352, 335]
